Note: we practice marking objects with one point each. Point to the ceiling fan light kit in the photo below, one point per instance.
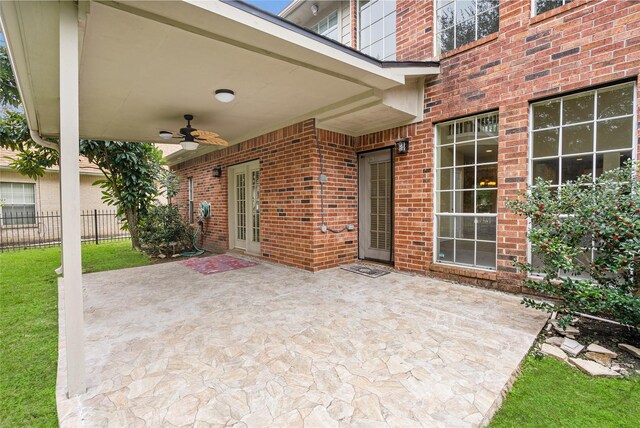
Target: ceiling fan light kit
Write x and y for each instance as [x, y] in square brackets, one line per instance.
[192, 137]
[189, 145]
[224, 95]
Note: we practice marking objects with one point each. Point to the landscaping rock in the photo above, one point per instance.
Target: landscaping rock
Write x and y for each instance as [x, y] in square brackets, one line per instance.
[553, 351]
[555, 340]
[601, 350]
[599, 358]
[571, 347]
[631, 349]
[593, 369]
[176, 255]
[570, 332]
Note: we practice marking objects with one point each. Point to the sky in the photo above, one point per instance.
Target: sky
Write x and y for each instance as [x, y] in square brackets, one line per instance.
[273, 6]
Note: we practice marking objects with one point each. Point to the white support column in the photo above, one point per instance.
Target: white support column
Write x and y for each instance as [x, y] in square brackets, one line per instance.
[70, 198]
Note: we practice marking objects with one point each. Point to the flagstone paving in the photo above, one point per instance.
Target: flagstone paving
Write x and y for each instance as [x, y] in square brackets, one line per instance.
[271, 346]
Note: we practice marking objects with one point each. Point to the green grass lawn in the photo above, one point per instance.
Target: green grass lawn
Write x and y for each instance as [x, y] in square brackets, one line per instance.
[549, 393]
[29, 327]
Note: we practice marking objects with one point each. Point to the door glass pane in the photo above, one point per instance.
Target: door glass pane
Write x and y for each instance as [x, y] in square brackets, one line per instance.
[577, 139]
[255, 210]
[380, 214]
[241, 214]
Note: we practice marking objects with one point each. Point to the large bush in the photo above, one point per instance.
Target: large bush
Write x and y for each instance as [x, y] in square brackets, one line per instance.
[163, 231]
[585, 243]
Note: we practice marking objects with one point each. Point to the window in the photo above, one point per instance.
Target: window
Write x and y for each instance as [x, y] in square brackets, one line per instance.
[191, 207]
[586, 133]
[466, 192]
[378, 29]
[540, 6]
[328, 26]
[18, 203]
[463, 21]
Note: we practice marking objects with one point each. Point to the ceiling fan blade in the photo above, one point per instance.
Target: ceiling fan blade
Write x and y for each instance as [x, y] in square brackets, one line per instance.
[208, 137]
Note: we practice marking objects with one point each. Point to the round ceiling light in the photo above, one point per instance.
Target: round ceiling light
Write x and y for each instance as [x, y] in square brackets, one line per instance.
[225, 95]
[166, 135]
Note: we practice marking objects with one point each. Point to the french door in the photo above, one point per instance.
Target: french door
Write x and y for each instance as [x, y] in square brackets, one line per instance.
[244, 206]
[375, 205]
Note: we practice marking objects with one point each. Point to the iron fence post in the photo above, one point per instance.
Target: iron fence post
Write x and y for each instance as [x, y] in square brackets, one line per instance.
[95, 224]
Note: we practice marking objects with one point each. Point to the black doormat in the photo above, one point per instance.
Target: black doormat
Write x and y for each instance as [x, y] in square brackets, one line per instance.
[370, 271]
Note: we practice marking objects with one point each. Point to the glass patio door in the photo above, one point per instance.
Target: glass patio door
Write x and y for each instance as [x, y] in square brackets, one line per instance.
[244, 207]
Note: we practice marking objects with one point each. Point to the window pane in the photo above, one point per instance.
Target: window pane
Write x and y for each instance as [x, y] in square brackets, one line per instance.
[487, 151]
[376, 31]
[445, 134]
[617, 101]
[389, 6]
[466, 153]
[466, 227]
[376, 49]
[486, 228]
[487, 176]
[464, 201]
[488, 126]
[484, 5]
[445, 226]
[488, 22]
[333, 19]
[464, 252]
[577, 139]
[447, 39]
[578, 109]
[487, 201]
[465, 32]
[545, 143]
[465, 10]
[546, 114]
[390, 47]
[465, 130]
[486, 254]
[545, 5]
[17, 215]
[389, 24]
[575, 166]
[609, 161]
[615, 134]
[445, 202]
[376, 10]
[445, 156]
[465, 177]
[445, 250]
[546, 169]
[445, 179]
[365, 38]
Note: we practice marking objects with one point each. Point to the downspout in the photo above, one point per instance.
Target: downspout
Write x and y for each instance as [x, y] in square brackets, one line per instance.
[42, 142]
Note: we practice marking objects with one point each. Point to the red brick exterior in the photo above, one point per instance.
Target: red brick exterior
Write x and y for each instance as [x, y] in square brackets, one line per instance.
[574, 47]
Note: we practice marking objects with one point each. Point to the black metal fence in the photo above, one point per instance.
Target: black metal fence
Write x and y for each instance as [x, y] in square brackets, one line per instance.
[22, 230]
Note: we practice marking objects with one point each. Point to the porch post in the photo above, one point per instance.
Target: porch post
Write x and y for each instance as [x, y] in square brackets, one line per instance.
[70, 198]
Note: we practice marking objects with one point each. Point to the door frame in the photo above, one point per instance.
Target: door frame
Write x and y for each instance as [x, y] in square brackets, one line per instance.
[391, 150]
[245, 167]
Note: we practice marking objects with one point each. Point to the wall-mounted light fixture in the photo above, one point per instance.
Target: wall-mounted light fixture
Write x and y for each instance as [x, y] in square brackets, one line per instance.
[402, 146]
[217, 171]
[314, 9]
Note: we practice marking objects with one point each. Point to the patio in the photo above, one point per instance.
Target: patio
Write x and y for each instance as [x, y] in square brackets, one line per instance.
[268, 345]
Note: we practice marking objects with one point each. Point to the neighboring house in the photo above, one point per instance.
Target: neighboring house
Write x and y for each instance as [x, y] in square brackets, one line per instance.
[526, 89]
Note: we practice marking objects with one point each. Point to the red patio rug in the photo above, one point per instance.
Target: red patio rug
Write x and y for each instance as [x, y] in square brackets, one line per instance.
[215, 264]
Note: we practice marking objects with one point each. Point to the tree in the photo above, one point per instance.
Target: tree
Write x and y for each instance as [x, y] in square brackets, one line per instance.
[132, 171]
[586, 239]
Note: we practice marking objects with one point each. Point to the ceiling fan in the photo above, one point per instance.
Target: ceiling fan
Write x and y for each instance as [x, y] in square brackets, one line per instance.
[192, 137]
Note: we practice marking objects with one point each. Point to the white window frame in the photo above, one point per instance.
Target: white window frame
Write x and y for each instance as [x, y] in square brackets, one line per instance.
[594, 153]
[436, 24]
[5, 203]
[368, 27]
[454, 214]
[190, 200]
[316, 28]
[534, 7]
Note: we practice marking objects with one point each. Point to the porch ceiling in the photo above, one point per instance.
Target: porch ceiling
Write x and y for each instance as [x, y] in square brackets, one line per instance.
[143, 65]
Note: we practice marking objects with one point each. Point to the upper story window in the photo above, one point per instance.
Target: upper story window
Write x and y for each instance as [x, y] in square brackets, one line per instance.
[328, 26]
[585, 133]
[540, 6]
[378, 29]
[18, 203]
[463, 21]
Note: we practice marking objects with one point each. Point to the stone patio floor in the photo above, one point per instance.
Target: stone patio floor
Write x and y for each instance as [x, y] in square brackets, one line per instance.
[271, 346]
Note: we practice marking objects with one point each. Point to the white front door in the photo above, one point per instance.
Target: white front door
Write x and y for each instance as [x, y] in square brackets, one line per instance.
[375, 205]
[244, 206]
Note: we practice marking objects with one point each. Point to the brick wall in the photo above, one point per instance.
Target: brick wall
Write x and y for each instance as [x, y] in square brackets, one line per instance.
[577, 46]
[290, 212]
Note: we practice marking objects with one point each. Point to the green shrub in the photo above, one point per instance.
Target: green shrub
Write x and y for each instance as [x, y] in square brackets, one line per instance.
[586, 239]
[163, 231]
